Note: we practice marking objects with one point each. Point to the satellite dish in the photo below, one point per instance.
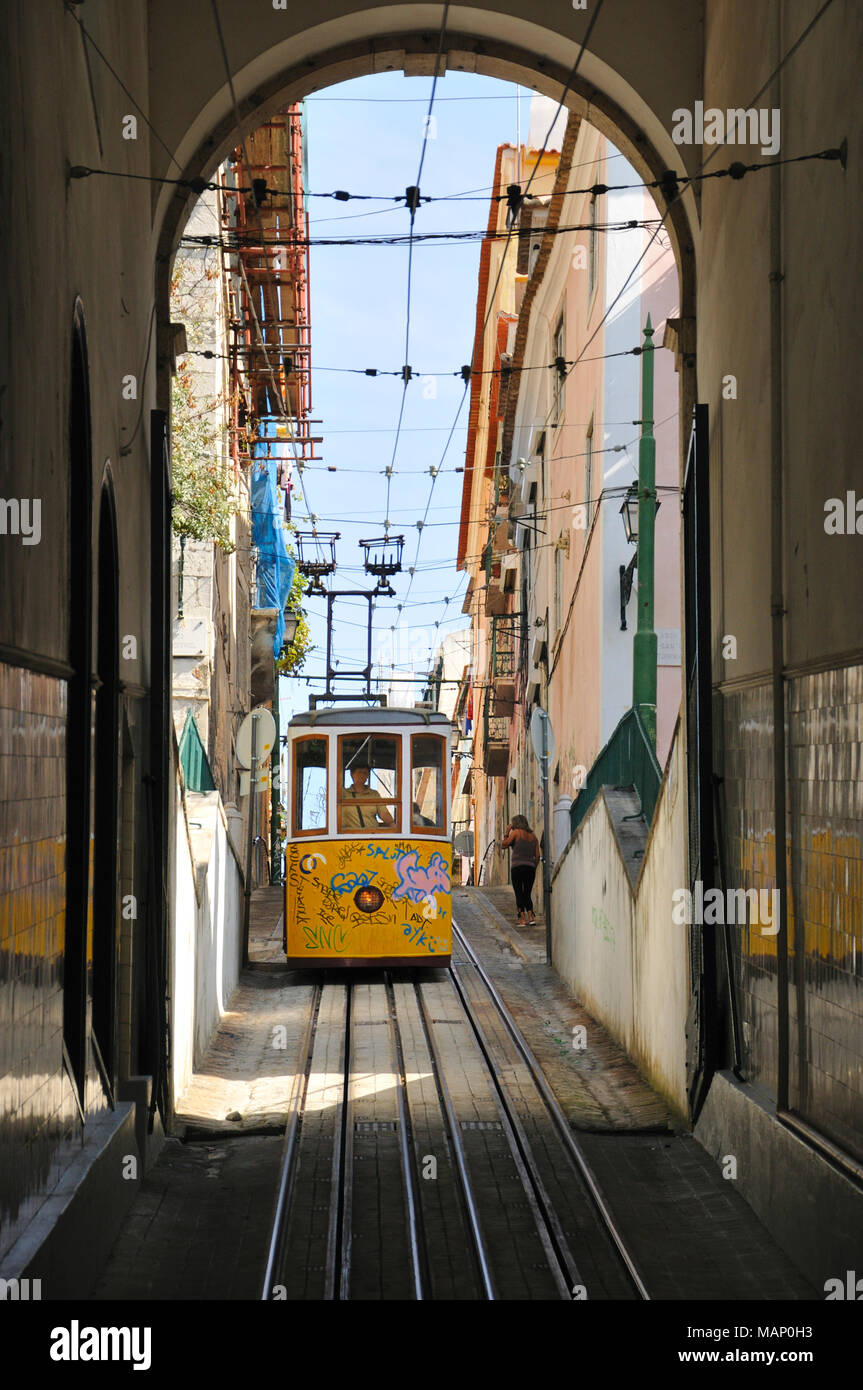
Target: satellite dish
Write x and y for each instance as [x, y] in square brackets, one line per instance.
[266, 737]
[541, 731]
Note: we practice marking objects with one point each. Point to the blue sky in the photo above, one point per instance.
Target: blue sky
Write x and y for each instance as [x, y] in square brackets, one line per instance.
[366, 136]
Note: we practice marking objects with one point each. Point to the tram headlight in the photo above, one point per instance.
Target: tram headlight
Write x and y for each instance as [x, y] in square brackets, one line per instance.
[369, 899]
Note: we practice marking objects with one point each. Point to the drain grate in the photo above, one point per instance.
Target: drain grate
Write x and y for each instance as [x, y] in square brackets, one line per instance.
[374, 1126]
[481, 1124]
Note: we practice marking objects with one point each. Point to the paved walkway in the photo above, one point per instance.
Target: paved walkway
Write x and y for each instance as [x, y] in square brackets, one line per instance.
[198, 1227]
[248, 1068]
[265, 926]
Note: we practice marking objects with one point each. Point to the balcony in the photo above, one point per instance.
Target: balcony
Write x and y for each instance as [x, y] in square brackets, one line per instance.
[495, 597]
[495, 745]
[501, 537]
[505, 635]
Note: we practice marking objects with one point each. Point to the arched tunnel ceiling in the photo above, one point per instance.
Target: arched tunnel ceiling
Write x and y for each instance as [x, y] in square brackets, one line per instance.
[643, 62]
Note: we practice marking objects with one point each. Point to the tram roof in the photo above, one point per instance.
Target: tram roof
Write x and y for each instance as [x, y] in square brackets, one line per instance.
[364, 715]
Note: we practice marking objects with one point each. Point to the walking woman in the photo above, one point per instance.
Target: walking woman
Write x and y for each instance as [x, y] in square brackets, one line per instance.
[525, 857]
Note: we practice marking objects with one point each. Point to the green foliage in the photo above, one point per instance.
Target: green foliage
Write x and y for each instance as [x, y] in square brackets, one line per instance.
[293, 657]
[204, 489]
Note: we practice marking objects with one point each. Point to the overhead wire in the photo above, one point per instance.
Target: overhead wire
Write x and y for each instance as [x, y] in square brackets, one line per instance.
[480, 336]
[412, 199]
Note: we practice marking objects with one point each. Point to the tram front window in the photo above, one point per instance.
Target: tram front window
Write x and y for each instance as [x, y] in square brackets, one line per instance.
[369, 783]
[310, 785]
[427, 771]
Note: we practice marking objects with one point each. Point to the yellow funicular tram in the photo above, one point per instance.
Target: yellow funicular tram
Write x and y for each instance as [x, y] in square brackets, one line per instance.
[368, 857]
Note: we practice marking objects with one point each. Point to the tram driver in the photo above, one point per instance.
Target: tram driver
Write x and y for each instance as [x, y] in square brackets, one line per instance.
[362, 816]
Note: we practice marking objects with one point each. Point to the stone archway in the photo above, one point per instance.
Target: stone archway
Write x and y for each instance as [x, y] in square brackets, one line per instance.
[627, 85]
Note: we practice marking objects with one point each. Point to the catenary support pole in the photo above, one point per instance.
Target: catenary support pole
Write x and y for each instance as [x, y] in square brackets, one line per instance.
[276, 789]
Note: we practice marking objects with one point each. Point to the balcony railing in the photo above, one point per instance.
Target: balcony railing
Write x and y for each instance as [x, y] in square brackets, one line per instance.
[495, 753]
[496, 729]
[505, 635]
[627, 760]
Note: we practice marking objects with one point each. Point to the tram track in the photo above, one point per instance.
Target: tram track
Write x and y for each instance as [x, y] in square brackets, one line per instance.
[434, 1161]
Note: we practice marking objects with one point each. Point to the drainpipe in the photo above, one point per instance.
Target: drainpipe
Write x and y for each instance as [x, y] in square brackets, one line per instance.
[644, 643]
[180, 575]
[777, 604]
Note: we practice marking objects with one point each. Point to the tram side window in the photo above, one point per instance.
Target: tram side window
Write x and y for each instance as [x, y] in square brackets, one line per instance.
[369, 783]
[310, 785]
[427, 786]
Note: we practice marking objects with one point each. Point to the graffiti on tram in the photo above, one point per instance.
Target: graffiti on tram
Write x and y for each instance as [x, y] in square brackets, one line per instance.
[414, 887]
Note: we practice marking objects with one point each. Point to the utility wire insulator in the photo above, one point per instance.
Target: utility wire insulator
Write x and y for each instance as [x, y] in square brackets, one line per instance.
[407, 373]
[341, 196]
[514, 200]
[465, 373]
[412, 199]
[371, 371]
[668, 186]
[560, 364]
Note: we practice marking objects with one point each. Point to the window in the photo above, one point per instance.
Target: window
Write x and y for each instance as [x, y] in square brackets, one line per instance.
[369, 773]
[588, 474]
[558, 585]
[559, 352]
[427, 785]
[591, 248]
[310, 785]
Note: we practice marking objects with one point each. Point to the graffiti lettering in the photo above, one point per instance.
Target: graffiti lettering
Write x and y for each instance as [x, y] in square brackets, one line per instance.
[344, 883]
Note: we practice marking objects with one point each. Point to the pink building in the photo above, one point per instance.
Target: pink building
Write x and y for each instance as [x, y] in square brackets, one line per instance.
[545, 542]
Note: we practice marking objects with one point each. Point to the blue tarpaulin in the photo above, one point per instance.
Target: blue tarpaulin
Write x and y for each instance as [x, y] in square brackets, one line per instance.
[275, 566]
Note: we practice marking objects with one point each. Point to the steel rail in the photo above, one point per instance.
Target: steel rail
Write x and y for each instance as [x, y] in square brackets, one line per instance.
[419, 1260]
[480, 1250]
[338, 1257]
[572, 1148]
[560, 1258]
[288, 1167]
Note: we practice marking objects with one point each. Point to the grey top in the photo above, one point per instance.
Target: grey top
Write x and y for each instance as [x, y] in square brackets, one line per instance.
[525, 849]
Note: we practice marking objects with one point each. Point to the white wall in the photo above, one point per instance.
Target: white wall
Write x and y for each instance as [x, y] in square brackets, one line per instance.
[661, 980]
[619, 951]
[207, 930]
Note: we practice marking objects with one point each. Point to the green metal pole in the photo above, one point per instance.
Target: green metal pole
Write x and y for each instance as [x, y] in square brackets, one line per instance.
[275, 791]
[644, 651]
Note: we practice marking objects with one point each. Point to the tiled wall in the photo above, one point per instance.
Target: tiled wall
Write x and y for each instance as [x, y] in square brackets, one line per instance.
[749, 845]
[39, 1122]
[824, 723]
[37, 1107]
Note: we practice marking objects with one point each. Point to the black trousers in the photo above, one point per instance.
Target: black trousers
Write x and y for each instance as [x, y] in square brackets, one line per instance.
[522, 882]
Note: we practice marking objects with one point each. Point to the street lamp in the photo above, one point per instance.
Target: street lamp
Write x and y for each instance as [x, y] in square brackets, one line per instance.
[629, 512]
[292, 622]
